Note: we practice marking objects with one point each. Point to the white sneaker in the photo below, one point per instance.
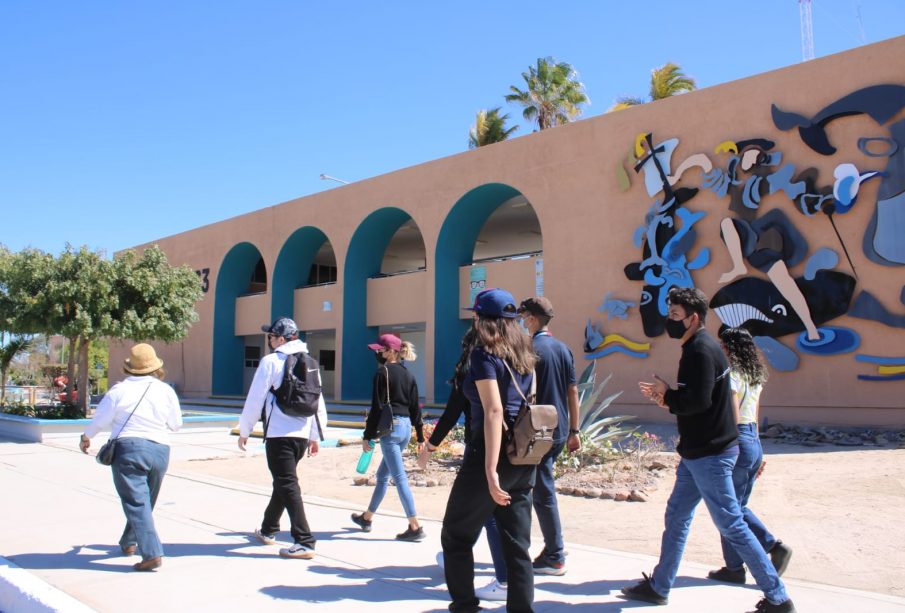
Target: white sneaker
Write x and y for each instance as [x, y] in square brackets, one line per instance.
[492, 591]
[441, 561]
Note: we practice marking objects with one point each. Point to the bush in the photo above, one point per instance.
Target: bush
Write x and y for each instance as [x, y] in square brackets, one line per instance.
[63, 410]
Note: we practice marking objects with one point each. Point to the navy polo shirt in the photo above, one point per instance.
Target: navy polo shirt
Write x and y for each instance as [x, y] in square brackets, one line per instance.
[555, 374]
[488, 366]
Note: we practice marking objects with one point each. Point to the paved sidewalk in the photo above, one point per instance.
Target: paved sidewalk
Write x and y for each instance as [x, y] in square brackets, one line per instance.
[61, 519]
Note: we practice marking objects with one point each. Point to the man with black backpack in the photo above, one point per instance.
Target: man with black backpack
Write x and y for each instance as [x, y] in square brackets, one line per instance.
[286, 395]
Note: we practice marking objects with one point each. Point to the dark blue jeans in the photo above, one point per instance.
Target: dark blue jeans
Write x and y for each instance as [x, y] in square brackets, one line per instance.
[750, 456]
[138, 469]
[710, 478]
[547, 508]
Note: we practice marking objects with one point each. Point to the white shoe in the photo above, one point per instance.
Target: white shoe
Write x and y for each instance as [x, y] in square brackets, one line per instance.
[441, 561]
[492, 591]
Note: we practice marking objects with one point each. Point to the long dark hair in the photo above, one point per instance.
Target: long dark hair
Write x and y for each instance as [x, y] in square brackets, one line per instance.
[469, 342]
[502, 337]
[743, 356]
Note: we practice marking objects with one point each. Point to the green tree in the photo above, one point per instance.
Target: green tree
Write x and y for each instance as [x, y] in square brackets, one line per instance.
[490, 127]
[666, 81]
[553, 95]
[8, 352]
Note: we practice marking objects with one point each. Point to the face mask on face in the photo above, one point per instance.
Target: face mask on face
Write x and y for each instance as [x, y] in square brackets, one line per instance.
[675, 328]
[379, 357]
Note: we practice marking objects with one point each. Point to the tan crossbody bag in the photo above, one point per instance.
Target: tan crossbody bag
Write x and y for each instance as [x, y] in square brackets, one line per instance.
[531, 436]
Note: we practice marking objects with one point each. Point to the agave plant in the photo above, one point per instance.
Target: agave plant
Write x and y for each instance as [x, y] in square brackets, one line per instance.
[590, 422]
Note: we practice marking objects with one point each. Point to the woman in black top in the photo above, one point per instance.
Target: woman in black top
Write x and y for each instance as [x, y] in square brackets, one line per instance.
[394, 383]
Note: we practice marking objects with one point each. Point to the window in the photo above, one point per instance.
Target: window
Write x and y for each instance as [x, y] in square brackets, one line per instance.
[252, 356]
[327, 358]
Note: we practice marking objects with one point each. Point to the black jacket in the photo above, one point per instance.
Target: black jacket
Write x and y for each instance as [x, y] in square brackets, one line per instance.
[403, 398]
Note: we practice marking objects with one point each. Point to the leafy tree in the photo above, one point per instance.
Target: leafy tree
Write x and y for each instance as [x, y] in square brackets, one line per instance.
[490, 127]
[8, 352]
[666, 81]
[552, 95]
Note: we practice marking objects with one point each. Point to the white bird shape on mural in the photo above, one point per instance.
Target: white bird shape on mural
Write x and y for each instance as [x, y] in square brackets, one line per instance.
[848, 182]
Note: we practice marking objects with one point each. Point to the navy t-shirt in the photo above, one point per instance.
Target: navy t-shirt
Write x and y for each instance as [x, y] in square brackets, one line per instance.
[555, 374]
[487, 366]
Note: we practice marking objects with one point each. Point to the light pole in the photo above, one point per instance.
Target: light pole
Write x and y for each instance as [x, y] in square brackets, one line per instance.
[329, 178]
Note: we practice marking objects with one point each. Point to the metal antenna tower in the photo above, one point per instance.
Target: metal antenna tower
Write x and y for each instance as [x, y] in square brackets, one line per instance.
[807, 30]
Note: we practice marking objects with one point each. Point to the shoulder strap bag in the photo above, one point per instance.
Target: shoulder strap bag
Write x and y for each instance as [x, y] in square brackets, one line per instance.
[385, 425]
[531, 435]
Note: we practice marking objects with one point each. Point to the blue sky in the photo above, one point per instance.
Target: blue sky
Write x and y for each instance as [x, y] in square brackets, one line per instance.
[124, 122]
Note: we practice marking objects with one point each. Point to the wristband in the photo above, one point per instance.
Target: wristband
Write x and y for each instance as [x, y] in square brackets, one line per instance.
[573, 431]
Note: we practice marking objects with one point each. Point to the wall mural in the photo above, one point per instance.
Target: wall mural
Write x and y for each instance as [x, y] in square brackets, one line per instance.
[759, 292]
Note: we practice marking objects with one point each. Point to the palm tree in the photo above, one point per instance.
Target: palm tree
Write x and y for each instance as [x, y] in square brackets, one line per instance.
[552, 93]
[665, 81]
[8, 353]
[489, 127]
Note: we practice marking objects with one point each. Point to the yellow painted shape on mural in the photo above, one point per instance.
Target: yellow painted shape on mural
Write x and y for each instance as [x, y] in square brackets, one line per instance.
[891, 370]
[726, 145]
[639, 150]
[618, 338]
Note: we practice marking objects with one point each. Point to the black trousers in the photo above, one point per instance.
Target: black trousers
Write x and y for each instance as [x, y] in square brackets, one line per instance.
[468, 509]
[283, 455]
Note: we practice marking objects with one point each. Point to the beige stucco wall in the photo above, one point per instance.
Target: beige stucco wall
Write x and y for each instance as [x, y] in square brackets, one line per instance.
[400, 299]
[569, 176]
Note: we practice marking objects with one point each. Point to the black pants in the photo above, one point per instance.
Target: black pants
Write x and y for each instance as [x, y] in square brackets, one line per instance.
[468, 509]
[283, 455]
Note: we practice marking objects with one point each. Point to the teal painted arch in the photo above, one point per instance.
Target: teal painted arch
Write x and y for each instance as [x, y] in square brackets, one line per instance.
[228, 359]
[292, 269]
[455, 248]
[363, 260]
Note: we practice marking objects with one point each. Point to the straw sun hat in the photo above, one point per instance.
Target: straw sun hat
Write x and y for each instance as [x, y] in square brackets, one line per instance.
[142, 360]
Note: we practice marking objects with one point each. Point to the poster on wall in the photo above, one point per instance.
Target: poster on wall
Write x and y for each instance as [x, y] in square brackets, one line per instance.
[539, 276]
[477, 281]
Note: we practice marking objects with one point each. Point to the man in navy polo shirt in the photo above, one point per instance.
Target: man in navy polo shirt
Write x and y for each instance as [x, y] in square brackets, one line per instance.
[556, 385]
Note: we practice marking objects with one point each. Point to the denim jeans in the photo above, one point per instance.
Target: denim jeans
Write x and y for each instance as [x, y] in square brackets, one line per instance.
[710, 478]
[283, 456]
[546, 507]
[138, 469]
[750, 456]
[392, 466]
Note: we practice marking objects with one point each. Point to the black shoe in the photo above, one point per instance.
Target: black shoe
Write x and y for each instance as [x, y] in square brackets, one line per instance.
[780, 556]
[643, 591]
[364, 524]
[727, 575]
[411, 535]
[765, 606]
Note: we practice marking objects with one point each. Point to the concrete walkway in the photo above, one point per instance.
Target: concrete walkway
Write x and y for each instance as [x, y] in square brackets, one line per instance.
[61, 519]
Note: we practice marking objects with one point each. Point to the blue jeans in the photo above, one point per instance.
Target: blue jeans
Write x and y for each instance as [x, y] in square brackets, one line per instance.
[750, 456]
[138, 469]
[546, 507]
[710, 478]
[392, 466]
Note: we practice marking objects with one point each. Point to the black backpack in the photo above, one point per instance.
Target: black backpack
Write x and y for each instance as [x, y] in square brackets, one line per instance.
[300, 390]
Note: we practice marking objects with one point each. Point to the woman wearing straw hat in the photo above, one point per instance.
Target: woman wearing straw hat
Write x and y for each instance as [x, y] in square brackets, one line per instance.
[140, 411]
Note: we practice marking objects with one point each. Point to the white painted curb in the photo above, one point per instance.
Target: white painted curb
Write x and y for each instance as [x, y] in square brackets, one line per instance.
[22, 592]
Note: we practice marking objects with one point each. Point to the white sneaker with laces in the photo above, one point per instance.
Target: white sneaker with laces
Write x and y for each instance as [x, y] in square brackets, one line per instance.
[492, 591]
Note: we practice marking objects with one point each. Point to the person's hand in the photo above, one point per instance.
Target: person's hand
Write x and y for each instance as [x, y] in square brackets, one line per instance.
[654, 389]
[760, 470]
[660, 401]
[574, 443]
[313, 448]
[499, 495]
[367, 445]
[242, 441]
[424, 456]
[84, 443]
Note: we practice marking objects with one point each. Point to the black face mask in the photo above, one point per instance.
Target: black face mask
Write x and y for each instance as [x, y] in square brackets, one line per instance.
[379, 357]
[675, 328]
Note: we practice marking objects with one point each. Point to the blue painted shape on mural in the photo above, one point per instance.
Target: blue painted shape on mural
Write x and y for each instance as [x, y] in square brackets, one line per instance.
[823, 259]
[653, 182]
[867, 306]
[887, 239]
[782, 180]
[638, 237]
[865, 142]
[717, 182]
[779, 356]
[848, 183]
[898, 377]
[614, 349]
[880, 359]
[751, 192]
[614, 307]
[833, 340]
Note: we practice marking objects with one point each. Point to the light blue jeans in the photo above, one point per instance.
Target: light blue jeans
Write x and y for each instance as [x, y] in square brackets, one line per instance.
[710, 478]
[392, 466]
[750, 456]
[138, 469]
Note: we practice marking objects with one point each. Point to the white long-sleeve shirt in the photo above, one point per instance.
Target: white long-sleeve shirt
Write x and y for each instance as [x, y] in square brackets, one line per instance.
[268, 376]
[155, 417]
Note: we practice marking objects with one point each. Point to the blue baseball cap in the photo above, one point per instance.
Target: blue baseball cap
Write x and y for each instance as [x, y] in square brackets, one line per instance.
[494, 302]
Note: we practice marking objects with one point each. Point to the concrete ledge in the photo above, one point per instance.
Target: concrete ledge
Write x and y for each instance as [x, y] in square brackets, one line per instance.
[22, 592]
[35, 430]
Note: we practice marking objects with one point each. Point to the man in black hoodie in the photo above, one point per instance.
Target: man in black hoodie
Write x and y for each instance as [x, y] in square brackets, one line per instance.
[702, 405]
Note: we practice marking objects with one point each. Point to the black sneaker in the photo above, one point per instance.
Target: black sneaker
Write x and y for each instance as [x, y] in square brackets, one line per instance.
[780, 556]
[765, 606]
[643, 591]
[411, 535]
[364, 524]
[543, 566]
[727, 575]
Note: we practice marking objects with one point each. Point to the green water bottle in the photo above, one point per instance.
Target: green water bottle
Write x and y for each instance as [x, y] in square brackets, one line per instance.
[365, 460]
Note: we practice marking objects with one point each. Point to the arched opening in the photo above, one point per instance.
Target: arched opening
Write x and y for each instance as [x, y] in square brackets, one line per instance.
[494, 231]
[385, 254]
[242, 273]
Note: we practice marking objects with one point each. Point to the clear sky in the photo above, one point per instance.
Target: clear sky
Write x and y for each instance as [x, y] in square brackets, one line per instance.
[124, 122]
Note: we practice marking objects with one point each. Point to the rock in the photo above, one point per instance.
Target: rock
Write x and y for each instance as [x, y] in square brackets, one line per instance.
[579, 491]
[431, 482]
[657, 466]
[565, 490]
[607, 495]
[420, 483]
[880, 440]
[593, 493]
[772, 432]
[812, 444]
[362, 480]
[849, 441]
[638, 496]
[621, 496]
